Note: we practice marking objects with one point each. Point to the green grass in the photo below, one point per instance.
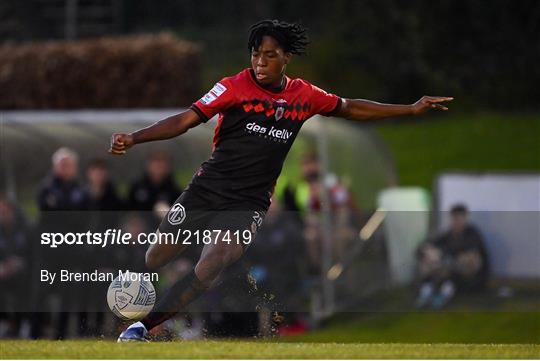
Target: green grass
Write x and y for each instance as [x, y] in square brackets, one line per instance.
[429, 327]
[470, 142]
[257, 350]
[450, 334]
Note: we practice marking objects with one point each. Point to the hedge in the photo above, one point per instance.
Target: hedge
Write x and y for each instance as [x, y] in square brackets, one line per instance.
[123, 72]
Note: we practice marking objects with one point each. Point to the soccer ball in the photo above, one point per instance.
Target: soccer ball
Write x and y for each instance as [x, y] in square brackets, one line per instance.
[130, 296]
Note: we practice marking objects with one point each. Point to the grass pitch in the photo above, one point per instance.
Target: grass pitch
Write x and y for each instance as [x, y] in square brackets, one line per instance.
[259, 350]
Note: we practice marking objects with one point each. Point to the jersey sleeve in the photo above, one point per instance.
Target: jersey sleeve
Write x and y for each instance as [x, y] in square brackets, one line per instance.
[323, 103]
[218, 99]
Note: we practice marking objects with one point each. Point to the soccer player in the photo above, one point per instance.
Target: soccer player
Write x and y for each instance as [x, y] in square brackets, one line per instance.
[261, 111]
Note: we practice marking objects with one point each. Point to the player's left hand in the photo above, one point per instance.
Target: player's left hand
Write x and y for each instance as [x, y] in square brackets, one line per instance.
[427, 102]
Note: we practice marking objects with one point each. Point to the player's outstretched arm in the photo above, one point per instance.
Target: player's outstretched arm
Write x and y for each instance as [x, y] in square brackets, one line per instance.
[360, 109]
[164, 129]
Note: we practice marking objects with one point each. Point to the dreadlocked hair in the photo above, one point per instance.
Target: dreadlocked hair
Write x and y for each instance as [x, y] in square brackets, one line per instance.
[291, 36]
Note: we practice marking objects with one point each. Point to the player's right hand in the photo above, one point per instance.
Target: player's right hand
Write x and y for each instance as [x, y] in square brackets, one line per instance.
[120, 143]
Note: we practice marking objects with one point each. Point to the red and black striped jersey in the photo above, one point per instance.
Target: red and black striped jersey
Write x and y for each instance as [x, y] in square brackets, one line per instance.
[255, 130]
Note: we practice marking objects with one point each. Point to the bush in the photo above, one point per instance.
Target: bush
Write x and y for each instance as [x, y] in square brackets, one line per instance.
[127, 72]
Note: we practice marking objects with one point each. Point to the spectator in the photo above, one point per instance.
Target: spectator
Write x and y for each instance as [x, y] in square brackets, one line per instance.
[456, 260]
[14, 269]
[155, 190]
[101, 191]
[60, 198]
[61, 190]
[130, 257]
[104, 205]
[308, 199]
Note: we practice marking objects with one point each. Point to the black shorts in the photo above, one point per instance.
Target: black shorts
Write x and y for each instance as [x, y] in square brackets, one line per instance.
[196, 219]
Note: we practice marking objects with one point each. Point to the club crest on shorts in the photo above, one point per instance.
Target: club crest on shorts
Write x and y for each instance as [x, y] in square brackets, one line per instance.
[177, 214]
[279, 105]
[258, 218]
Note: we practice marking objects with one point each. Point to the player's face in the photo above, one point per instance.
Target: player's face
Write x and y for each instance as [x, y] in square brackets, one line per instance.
[269, 62]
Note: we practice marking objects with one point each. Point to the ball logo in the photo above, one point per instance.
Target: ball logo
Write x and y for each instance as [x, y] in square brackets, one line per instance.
[122, 299]
[177, 214]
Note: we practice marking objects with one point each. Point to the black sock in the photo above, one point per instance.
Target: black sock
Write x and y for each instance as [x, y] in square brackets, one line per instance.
[177, 297]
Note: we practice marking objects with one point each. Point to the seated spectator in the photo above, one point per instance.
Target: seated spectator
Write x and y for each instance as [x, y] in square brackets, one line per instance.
[456, 260]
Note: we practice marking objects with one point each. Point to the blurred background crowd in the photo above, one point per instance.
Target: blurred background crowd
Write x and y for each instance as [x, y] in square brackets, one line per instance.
[69, 199]
[436, 213]
[272, 290]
